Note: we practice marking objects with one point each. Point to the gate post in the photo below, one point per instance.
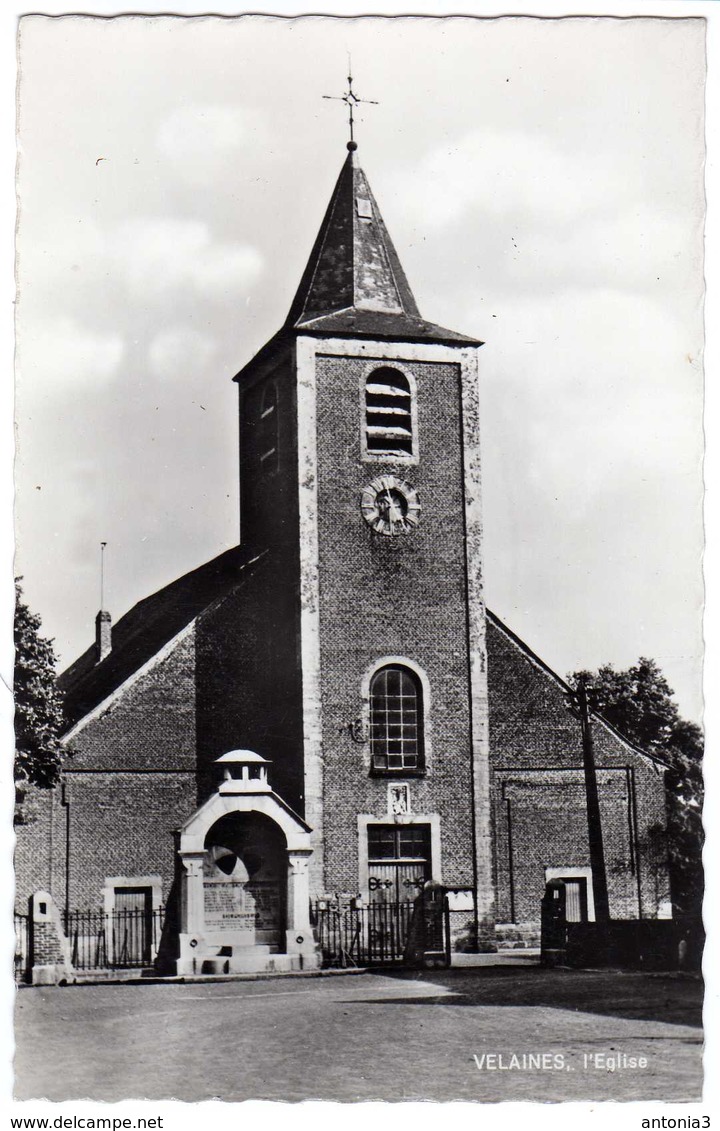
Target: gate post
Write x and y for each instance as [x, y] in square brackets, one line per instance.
[553, 931]
[192, 910]
[428, 945]
[50, 963]
[299, 934]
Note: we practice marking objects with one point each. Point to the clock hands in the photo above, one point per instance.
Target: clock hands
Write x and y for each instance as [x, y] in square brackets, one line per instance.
[390, 505]
[393, 512]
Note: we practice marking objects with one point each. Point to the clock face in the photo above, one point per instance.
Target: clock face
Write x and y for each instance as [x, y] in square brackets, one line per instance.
[390, 505]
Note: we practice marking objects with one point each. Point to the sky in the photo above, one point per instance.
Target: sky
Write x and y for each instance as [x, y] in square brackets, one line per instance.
[542, 181]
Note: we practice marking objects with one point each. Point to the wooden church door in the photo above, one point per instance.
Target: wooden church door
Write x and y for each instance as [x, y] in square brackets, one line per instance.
[398, 862]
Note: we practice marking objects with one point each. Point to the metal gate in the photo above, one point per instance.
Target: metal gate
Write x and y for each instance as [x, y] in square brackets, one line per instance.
[385, 934]
[375, 934]
[132, 927]
[121, 939]
[22, 947]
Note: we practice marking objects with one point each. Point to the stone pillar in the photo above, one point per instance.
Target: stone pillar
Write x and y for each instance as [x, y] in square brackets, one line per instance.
[484, 926]
[50, 959]
[192, 912]
[310, 602]
[299, 935]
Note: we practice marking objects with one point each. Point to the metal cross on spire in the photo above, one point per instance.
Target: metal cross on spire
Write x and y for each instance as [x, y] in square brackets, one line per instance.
[351, 100]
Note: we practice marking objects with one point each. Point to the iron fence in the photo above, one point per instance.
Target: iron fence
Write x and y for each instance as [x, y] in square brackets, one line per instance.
[375, 934]
[115, 940]
[22, 947]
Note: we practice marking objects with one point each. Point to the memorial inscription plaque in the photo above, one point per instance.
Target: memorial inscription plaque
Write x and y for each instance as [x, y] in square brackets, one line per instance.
[235, 902]
[226, 905]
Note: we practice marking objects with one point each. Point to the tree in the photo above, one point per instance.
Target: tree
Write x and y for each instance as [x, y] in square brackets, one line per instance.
[639, 702]
[39, 719]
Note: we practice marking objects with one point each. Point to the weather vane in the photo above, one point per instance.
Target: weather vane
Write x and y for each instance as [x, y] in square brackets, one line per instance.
[351, 100]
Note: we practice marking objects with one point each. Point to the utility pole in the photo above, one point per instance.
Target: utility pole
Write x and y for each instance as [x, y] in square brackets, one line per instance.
[580, 706]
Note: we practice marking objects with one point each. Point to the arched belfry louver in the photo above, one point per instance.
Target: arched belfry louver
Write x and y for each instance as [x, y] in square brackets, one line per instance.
[389, 413]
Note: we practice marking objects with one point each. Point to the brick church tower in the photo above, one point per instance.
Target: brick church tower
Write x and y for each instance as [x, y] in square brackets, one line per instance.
[375, 725]
[360, 481]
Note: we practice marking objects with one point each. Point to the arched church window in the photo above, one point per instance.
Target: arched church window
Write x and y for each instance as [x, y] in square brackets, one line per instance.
[396, 720]
[268, 428]
[389, 416]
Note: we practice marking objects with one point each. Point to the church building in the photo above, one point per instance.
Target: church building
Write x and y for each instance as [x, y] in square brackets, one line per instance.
[328, 712]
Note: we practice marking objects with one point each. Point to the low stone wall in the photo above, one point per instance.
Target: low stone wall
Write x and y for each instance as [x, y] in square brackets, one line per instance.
[645, 944]
[518, 936]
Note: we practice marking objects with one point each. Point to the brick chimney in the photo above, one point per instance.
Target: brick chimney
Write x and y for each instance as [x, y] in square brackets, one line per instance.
[103, 635]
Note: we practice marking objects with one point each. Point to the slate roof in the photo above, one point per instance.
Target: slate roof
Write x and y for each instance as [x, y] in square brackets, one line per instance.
[354, 284]
[150, 624]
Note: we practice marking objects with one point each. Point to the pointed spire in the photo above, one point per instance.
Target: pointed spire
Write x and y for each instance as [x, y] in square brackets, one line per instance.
[353, 281]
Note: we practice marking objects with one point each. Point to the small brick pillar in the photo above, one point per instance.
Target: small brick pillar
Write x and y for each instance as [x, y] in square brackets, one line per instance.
[49, 949]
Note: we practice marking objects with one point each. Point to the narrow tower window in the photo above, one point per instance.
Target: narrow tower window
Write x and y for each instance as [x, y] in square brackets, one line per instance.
[396, 720]
[388, 414]
[268, 428]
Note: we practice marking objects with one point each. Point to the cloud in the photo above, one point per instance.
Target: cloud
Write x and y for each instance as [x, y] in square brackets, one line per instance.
[179, 350]
[145, 254]
[156, 255]
[601, 392]
[639, 248]
[64, 351]
[201, 140]
[511, 215]
[499, 173]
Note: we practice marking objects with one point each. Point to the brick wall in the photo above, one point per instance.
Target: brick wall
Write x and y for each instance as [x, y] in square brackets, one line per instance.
[34, 845]
[541, 823]
[149, 724]
[402, 596]
[46, 946]
[539, 795]
[248, 666]
[129, 782]
[121, 824]
[268, 487]
[248, 676]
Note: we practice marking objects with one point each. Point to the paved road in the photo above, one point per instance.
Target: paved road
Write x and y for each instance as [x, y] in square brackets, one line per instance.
[362, 1037]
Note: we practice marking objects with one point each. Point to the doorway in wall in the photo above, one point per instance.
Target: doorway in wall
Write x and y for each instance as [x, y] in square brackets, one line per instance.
[576, 899]
[132, 926]
[398, 862]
